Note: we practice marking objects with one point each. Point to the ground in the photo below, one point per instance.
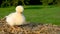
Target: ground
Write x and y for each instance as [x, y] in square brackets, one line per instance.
[30, 28]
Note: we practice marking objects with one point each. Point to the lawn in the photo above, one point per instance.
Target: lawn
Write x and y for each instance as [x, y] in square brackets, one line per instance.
[37, 14]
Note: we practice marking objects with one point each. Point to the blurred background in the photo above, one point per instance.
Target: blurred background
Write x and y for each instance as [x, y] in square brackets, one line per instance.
[36, 11]
[5, 3]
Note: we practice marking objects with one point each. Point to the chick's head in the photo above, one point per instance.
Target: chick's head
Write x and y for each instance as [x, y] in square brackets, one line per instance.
[19, 9]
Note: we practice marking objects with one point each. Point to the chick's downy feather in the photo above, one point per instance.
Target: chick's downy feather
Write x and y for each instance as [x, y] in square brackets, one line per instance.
[15, 18]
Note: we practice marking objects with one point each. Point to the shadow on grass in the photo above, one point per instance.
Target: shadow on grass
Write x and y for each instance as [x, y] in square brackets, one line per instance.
[33, 7]
[38, 7]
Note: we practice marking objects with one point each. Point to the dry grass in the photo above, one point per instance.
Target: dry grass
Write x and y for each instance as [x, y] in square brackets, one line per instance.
[31, 28]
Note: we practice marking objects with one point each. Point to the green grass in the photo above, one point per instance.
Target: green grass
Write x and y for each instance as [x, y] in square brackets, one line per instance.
[39, 14]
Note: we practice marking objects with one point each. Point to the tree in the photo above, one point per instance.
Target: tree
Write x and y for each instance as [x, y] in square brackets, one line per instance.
[58, 2]
[14, 2]
[46, 2]
[5, 3]
[27, 1]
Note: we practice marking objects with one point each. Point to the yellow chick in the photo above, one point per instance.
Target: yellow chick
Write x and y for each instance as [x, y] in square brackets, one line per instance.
[16, 18]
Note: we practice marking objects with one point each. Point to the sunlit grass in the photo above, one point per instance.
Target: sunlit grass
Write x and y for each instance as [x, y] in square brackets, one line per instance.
[38, 14]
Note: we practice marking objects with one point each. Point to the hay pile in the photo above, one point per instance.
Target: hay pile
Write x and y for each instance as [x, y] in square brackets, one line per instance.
[31, 28]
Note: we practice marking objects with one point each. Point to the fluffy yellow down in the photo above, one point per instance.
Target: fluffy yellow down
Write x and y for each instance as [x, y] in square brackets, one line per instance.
[16, 18]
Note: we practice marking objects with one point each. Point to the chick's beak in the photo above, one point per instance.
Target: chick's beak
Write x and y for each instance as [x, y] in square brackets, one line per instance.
[21, 12]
